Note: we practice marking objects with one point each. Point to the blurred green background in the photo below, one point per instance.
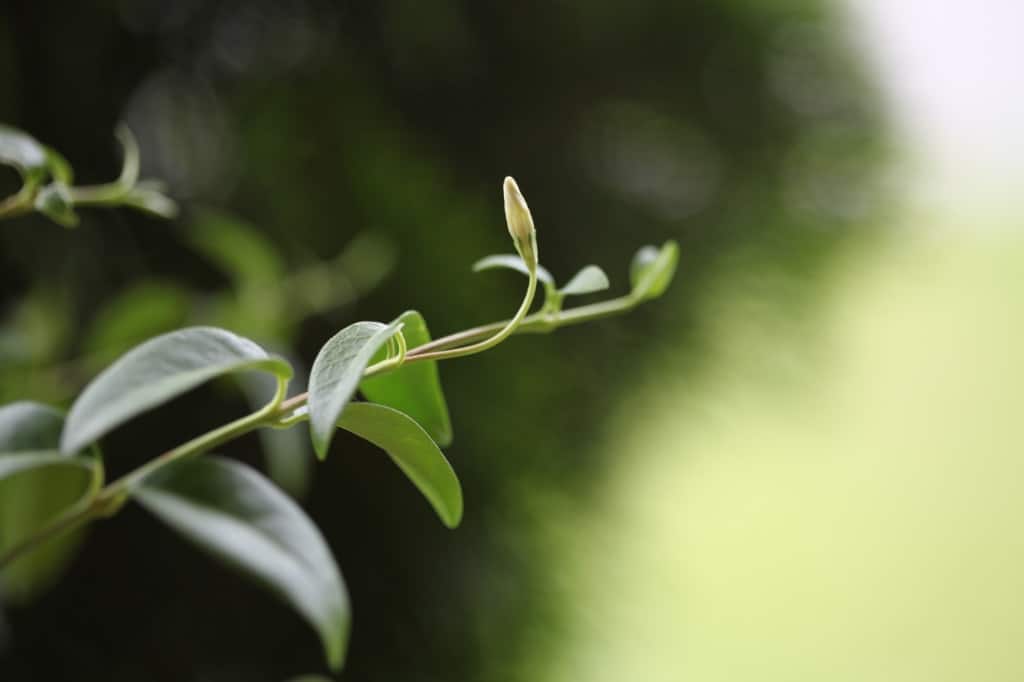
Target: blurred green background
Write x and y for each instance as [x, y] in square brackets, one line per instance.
[801, 463]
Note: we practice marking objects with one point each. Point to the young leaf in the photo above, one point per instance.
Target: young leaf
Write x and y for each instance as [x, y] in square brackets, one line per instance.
[652, 269]
[414, 389]
[413, 451]
[336, 373]
[36, 484]
[237, 515]
[157, 371]
[513, 262]
[22, 151]
[587, 281]
[54, 201]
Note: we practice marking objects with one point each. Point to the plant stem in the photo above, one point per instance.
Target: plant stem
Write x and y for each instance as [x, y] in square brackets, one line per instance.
[280, 412]
[109, 499]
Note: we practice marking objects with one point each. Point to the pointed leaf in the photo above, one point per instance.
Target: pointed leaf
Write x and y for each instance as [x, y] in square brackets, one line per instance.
[413, 451]
[513, 262]
[157, 371]
[652, 270]
[587, 281]
[414, 389]
[336, 373]
[237, 515]
[54, 201]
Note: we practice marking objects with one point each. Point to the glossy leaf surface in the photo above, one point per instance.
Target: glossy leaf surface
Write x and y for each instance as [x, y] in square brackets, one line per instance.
[337, 372]
[414, 389]
[237, 515]
[157, 371]
[413, 451]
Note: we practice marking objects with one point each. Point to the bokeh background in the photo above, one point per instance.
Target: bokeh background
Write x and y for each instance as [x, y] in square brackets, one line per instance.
[802, 463]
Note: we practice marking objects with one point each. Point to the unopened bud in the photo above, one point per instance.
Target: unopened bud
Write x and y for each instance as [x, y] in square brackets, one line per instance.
[520, 223]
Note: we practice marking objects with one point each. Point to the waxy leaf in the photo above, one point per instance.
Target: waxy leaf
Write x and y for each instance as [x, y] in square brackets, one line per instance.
[513, 262]
[652, 269]
[36, 484]
[413, 451]
[157, 371]
[414, 389]
[237, 515]
[587, 281]
[337, 372]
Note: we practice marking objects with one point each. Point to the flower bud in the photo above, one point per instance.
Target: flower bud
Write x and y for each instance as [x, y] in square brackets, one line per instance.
[520, 223]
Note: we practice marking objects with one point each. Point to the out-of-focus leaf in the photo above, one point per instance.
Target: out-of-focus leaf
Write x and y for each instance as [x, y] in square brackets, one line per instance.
[587, 281]
[26, 427]
[337, 371]
[36, 484]
[413, 451]
[512, 262]
[148, 196]
[17, 462]
[59, 167]
[414, 389]
[652, 270]
[157, 371]
[134, 315]
[234, 513]
[54, 201]
[22, 151]
[237, 248]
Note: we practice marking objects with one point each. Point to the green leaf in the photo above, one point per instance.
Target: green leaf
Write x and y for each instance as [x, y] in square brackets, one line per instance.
[234, 513]
[413, 451]
[36, 484]
[587, 281]
[336, 373]
[414, 389]
[149, 196]
[26, 426]
[157, 371]
[512, 262]
[54, 201]
[22, 151]
[652, 270]
[15, 463]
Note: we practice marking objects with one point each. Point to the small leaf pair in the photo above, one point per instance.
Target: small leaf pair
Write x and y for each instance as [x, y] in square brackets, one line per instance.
[411, 419]
[37, 163]
[589, 280]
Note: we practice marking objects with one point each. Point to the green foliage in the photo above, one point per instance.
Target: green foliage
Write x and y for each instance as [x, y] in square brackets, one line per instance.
[157, 371]
[37, 163]
[223, 506]
[37, 483]
[336, 374]
[412, 449]
[414, 389]
[652, 270]
[237, 515]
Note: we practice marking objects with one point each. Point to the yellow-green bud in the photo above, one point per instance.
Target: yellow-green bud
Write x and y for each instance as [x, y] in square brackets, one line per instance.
[520, 223]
